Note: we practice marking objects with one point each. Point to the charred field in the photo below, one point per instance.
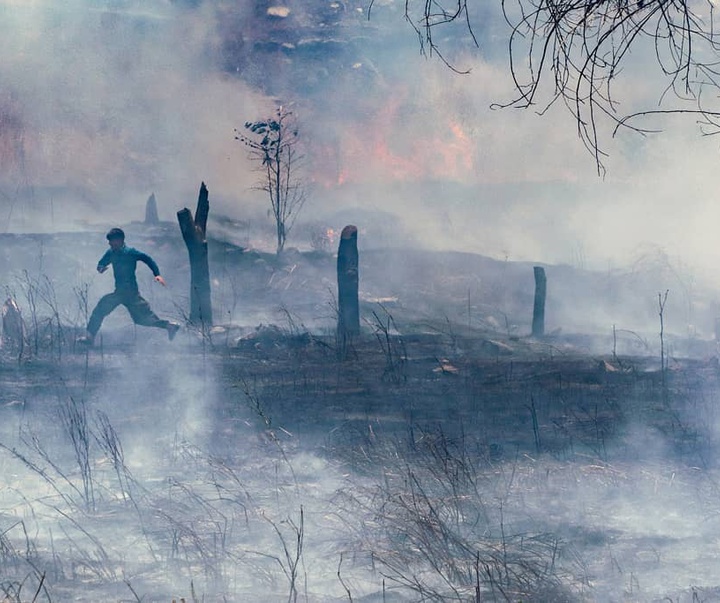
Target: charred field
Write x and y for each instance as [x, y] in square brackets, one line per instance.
[443, 455]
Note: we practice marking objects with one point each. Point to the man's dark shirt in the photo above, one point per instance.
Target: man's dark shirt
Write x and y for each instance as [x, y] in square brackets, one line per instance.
[124, 261]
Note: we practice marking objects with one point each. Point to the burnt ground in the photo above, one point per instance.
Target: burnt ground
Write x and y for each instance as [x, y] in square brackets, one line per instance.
[444, 455]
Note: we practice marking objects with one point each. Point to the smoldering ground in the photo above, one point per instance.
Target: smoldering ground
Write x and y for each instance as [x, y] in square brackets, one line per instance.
[383, 497]
[254, 463]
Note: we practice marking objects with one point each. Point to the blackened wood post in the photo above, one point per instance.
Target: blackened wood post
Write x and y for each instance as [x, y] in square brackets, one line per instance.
[538, 322]
[151, 212]
[348, 279]
[13, 326]
[194, 235]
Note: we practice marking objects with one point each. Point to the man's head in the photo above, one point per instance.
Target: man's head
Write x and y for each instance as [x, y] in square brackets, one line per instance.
[116, 238]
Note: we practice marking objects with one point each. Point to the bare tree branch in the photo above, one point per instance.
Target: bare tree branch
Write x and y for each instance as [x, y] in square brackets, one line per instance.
[579, 48]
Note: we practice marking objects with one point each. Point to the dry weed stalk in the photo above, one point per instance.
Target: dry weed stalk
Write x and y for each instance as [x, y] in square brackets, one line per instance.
[12, 589]
[292, 547]
[46, 330]
[342, 581]
[14, 561]
[73, 415]
[253, 398]
[391, 345]
[429, 529]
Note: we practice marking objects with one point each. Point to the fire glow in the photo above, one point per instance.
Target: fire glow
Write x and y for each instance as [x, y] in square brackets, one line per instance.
[389, 145]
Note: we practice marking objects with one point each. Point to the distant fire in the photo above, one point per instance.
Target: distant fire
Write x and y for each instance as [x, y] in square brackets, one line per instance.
[396, 143]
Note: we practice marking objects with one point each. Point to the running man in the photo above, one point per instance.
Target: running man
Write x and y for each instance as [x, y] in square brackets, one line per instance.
[124, 261]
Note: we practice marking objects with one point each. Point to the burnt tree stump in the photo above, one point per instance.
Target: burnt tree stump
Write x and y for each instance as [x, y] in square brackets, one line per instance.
[538, 321]
[151, 212]
[13, 326]
[194, 234]
[348, 280]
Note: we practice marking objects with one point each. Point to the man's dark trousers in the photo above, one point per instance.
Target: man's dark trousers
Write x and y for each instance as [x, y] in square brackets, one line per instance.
[139, 309]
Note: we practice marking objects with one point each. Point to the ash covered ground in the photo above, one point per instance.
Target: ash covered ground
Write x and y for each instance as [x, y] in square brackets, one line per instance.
[446, 455]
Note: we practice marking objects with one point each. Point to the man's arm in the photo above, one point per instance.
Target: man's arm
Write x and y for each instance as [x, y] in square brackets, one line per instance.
[144, 257]
[104, 262]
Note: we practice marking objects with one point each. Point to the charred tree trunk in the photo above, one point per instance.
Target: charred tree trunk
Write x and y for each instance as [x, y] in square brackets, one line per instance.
[348, 279]
[194, 234]
[151, 212]
[13, 327]
[538, 322]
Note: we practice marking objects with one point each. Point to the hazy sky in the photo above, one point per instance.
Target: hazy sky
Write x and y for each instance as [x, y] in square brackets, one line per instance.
[102, 103]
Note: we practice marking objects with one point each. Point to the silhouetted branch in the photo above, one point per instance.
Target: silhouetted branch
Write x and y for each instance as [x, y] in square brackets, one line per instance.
[580, 47]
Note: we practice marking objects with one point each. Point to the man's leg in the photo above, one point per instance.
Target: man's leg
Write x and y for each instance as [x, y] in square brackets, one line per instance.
[106, 305]
[142, 314]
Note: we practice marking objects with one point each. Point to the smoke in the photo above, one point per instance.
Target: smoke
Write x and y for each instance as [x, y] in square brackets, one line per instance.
[105, 103]
[110, 103]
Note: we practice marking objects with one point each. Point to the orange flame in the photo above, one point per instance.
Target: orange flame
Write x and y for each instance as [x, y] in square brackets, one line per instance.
[385, 146]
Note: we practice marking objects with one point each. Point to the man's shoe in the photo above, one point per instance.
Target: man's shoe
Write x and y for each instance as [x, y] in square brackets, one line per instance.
[172, 330]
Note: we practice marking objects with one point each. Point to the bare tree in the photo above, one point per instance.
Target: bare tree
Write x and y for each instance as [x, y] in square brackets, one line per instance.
[273, 144]
[581, 47]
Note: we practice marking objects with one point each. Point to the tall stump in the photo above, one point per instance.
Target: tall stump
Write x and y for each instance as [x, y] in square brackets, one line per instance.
[538, 322]
[193, 232]
[348, 279]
